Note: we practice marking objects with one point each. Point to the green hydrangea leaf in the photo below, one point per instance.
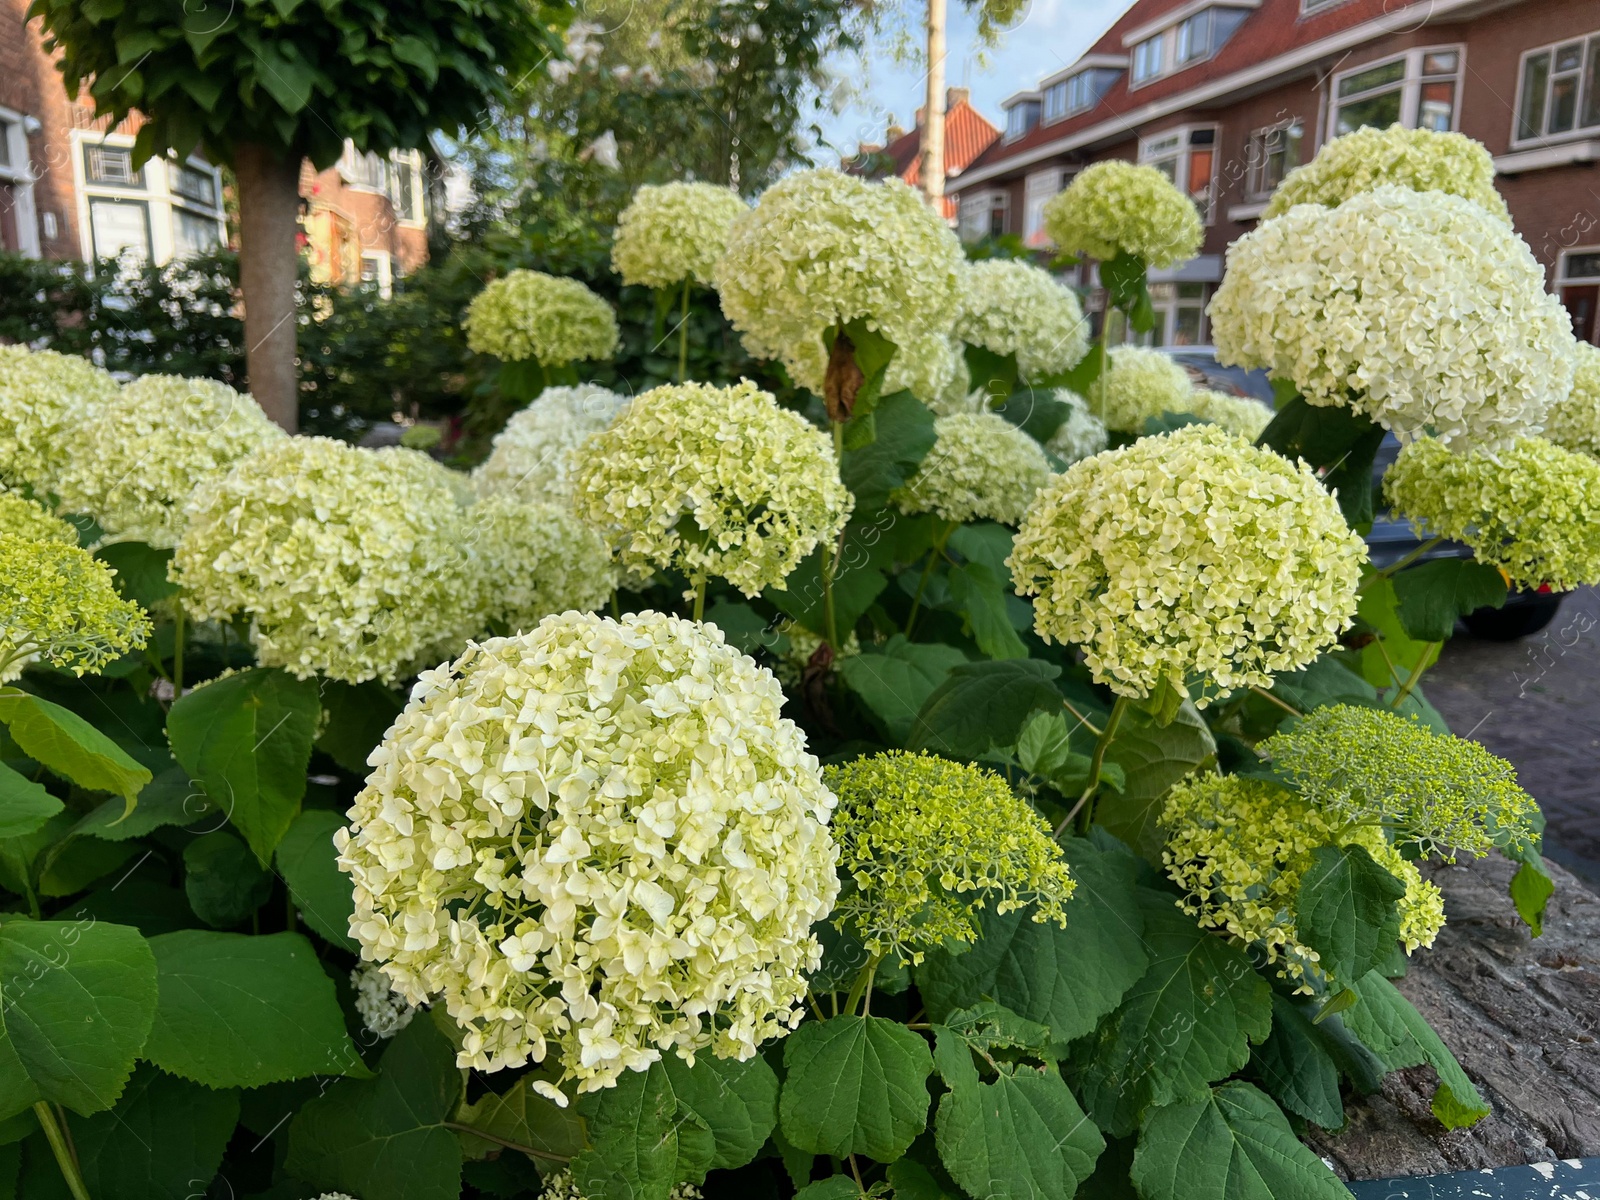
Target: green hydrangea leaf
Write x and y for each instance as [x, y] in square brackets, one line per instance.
[737, 1101]
[522, 1116]
[168, 799]
[1295, 1068]
[1348, 910]
[1388, 662]
[983, 704]
[359, 714]
[910, 1180]
[855, 1085]
[747, 629]
[1021, 1137]
[222, 879]
[991, 373]
[386, 1136]
[1336, 438]
[24, 804]
[1231, 1144]
[1397, 1033]
[1189, 1020]
[308, 863]
[902, 436]
[1431, 595]
[1067, 979]
[1153, 756]
[141, 572]
[78, 998]
[1531, 886]
[642, 1141]
[976, 592]
[62, 741]
[164, 1140]
[894, 681]
[854, 590]
[246, 740]
[241, 1011]
[835, 1187]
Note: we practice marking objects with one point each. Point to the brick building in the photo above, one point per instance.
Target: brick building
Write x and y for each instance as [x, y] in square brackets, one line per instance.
[967, 134]
[68, 188]
[1226, 96]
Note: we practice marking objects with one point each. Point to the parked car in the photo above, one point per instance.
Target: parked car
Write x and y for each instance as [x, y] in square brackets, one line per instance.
[1524, 612]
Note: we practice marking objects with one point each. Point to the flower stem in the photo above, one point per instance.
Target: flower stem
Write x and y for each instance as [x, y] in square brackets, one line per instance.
[65, 1159]
[1266, 695]
[506, 1143]
[699, 582]
[1401, 564]
[935, 552]
[177, 650]
[862, 983]
[683, 333]
[1096, 763]
[1416, 675]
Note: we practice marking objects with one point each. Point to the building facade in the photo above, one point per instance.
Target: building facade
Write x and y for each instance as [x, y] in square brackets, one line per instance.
[967, 134]
[1227, 96]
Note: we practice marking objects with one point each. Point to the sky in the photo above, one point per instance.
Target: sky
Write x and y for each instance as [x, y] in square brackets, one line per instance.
[1051, 35]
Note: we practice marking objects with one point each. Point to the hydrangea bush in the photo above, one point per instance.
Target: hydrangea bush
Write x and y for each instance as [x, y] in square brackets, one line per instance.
[401, 832]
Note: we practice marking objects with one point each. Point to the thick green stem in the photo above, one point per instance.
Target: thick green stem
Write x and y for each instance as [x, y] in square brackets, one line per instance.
[683, 334]
[862, 983]
[1399, 565]
[1096, 763]
[935, 552]
[699, 582]
[1415, 676]
[177, 650]
[1266, 695]
[65, 1159]
[838, 440]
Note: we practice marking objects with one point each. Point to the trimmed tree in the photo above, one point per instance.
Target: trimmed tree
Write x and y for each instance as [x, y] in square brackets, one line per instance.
[265, 84]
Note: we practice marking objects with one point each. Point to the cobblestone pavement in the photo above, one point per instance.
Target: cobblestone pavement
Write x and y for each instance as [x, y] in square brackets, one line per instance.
[1536, 702]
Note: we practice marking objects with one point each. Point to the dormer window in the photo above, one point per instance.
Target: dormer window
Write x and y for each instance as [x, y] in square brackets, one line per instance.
[1197, 33]
[1081, 91]
[1020, 118]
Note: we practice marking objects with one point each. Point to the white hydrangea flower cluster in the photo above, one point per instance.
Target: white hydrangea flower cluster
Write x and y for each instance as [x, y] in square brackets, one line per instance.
[528, 314]
[673, 232]
[458, 483]
[536, 559]
[140, 459]
[1237, 414]
[1419, 159]
[1419, 309]
[562, 1186]
[1137, 384]
[382, 1010]
[821, 249]
[596, 841]
[1081, 434]
[957, 395]
[531, 457]
[1115, 207]
[45, 398]
[1532, 510]
[349, 562]
[715, 481]
[1574, 420]
[1015, 308]
[981, 468]
[1189, 553]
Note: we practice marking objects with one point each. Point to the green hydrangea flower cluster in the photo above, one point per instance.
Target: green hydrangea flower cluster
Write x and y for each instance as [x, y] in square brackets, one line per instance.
[1236, 414]
[1438, 793]
[1114, 207]
[45, 399]
[1239, 848]
[531, 457]
[714, 481]
[1136, 385]
[142, 457]
[29, 520]
[821, 249]
[350, 563]
[673, 232]
[1532, 510]
[1420, 310]
[1189, 553]
[58, 603]
[552, 320]
[1081, 434]
[1419, 159]
[535, 559]
[928, 843]
[981, 468]
[1012, 307]
[1573, 422]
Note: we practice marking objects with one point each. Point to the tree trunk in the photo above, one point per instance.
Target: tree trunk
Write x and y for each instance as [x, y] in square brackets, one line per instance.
[269, 212]
[933, 111]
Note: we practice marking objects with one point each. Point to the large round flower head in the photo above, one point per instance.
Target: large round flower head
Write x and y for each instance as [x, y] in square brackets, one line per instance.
[927, 843]
[1015, 308]
[142, 457]
[1080, 434]
[1136, 385]
[29, 520]
[536, 559]
[348, 562]
[1419, 159]
[1239, 849]
[1113, 208]
[1439, 793]
[528, 314]
[58, 603]
[562, 1186]
[595, 842]
[1189, 553]
[1573, 421]
[981, 468]
[1532, 510]
[531, 458]
[1237, 414]
[713, 481]
[1421, 310]
[673, 232]
[45, 398]
[821, 249]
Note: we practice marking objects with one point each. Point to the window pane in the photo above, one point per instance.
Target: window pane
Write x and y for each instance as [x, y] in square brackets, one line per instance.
[1191, 291]
[194, 234]
[1535, 82]
[1581, 266]
[119, 225]
[1591, 86]
[1365, 81]
[1563, 103]
[1377, 111]
[1186, 326]
[1147, 58]
[1168, 167]
[1437, 107]
[192, 184]
[1569, 57]
[112, 166]
[5, 143]
[1440, 62]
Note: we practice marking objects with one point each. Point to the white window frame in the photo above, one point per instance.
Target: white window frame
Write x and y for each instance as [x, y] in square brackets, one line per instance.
[1049, 94]
[1309, 8]
[1016, 103]
[1165, 39]
[1037, 189]
[21, 178]
[161, 202]
[384, 276]
[1410, 85]
[1255, 162]
[1567, 255]
[1154, 149]
[409, 161]
[1589, 42]
[353, 169]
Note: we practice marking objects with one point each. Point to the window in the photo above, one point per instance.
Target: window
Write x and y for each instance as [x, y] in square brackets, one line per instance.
[167, 209]
[192, 183]
[377, 271]
[1021, 117]
[1307, 7]
[118, 227]
[19, 232]
[1417, 90]
[1036, 191]
[1188, 157]
[405, 186]
[1055, 102]
[1579, 279]
[1191, 40]
[1272, 154]
[1148, 56]
[1560, 92]
[1180, 316]
[112, 166]
[194, 234]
